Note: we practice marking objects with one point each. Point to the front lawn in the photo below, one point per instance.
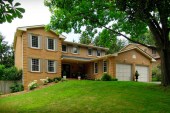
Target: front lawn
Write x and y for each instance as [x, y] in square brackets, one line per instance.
[91, 97]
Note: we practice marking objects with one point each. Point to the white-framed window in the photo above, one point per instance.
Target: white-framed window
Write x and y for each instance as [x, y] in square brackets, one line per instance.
[90, 52]
[35, 41]
[51, 66]
[35, 65]
[50, 44]
[75, 50]
[104, 66]
[95, 67]
[98, 53]
[64, 48]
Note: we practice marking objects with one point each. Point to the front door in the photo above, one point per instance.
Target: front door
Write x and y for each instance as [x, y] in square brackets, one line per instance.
[66, 70]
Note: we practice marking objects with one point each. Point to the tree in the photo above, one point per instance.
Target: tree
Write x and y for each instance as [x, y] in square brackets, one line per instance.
[85, 38]
[6, 53]
[129, 16]
[107, 39]
[10, 10]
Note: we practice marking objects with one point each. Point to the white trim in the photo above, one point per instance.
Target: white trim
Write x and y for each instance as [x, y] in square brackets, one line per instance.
[38, 41]
[91, 52]
[55, 70]
[73, 51]
[38, 65]
[54, 44]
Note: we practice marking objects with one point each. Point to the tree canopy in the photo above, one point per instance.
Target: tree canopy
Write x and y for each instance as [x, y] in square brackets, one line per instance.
[130, 17]
[10, 10]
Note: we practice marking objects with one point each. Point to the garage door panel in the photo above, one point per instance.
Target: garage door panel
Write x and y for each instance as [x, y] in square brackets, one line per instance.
[123, 72]
[143, 73]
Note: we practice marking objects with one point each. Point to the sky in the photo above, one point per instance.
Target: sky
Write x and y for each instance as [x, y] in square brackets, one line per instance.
[35, 14]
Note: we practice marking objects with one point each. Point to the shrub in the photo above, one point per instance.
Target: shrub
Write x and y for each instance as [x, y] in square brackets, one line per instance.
[44, 81]
[58, 78]
[50, 80]
[32, 85]
[106, 77]
[156, 73]
[114, 79]
[55, 80]
[16, 87]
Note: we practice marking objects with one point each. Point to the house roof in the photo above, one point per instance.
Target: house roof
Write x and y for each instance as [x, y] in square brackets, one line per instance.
[84, 45]
[19, 31]
[141, 51]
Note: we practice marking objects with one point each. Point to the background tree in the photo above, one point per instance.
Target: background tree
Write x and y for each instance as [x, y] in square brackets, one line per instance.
[85, 38]
[6, 53]
[129, 16]
[107, 39]
[10, 10]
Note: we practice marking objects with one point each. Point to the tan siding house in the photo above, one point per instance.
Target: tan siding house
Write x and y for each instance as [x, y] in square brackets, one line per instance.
[44, 54]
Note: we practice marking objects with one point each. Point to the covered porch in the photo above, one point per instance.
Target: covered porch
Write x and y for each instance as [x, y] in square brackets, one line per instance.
[72, 67]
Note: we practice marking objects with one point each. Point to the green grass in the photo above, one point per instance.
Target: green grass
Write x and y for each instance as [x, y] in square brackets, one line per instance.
[91, 97]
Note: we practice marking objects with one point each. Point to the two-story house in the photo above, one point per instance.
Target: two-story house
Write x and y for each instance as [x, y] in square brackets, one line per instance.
[40, 54]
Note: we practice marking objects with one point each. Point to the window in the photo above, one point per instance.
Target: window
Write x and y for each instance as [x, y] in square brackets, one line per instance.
[75, 50]
[104, 66]
[35, 65]
[64, 48]
[153, 51]
[34, 41]
[51, 66]
[98, 53]
[95, 68]
[89, 51]
[50, 44]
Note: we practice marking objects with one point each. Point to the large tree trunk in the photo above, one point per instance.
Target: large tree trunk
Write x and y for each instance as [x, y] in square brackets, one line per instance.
[165, 66]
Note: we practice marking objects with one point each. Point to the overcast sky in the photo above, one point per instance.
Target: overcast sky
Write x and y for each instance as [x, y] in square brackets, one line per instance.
[35, 14]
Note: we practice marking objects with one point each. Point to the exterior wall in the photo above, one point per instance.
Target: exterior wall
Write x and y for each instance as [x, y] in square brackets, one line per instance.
[42, 54]
[18, 52]
[83, 51]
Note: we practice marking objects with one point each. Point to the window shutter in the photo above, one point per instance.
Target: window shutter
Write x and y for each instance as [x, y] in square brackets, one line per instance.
[56, 64]
[46, 65]
[29, 40]
[55, 44]
[29, 64]
[41, 65]
[94, 53]
[40, 42]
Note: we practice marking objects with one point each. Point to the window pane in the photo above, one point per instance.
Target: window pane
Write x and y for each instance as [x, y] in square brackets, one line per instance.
[64, 48]
[95, 68]
[51, 66]
[75, 50]
[90, 51]
[51, 44]
[105, 66]
[35, 64]
[98, 53]
[35, 41]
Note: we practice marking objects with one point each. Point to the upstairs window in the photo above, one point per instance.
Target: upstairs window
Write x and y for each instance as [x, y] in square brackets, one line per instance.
[64, 48]
[35, 65]
[51, 66]
[104, 66]
[50, 44]
[98, 53]
[90, 52]
[34, 41]
[95, 68]
[75, 50]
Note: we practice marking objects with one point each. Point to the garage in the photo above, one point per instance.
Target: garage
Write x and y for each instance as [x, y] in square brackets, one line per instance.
[143, 73]
[124, 72]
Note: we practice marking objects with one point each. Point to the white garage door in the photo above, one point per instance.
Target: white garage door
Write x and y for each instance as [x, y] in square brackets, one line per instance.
[143, 73]
[123, 72]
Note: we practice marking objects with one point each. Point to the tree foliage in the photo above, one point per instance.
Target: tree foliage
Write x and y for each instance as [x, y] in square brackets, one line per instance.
[85, 38]
[129, 16]
[6, 53]
[10, 10]
[107, 39]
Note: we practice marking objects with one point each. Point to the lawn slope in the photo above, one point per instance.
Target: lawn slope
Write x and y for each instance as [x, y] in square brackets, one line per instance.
[91, 97]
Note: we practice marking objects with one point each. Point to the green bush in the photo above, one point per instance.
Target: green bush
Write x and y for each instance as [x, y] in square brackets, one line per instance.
[33, 85]
[16, 87]
[2, 67]
[58, 78]
[114, 79]
[55, 80]
[156, 73]
[50, 80]
[106, 77]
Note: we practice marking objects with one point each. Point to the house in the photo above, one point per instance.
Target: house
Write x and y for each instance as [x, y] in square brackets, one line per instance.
[151, 50]
[42, 54]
